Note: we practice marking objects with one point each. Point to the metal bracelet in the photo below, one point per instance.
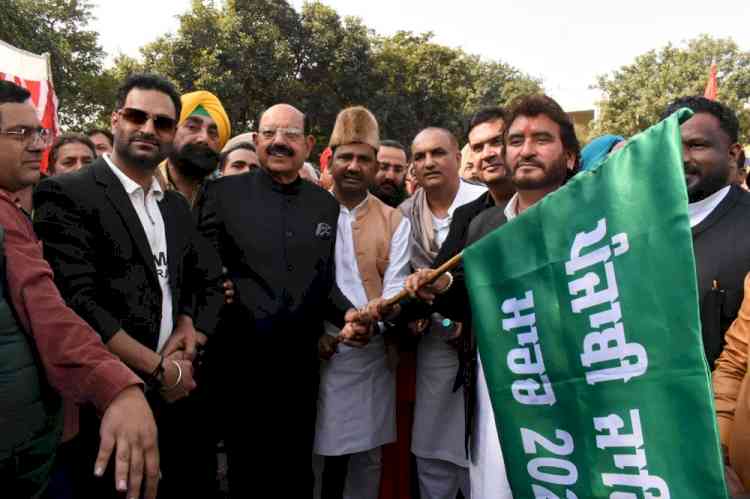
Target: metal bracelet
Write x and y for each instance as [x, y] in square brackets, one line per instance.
[179, 377]
[448, 286]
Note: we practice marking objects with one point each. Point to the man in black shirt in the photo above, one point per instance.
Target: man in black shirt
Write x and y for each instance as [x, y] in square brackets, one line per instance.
[275, 234]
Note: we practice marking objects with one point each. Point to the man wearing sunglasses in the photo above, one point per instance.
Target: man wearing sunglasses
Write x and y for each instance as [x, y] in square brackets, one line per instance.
[202, 131]
[43, 342]
[128, 259]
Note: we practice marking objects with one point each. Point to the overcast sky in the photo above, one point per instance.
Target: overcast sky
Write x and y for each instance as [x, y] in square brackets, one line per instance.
[567, 44]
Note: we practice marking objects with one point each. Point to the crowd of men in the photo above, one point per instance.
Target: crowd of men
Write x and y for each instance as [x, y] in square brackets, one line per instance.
[173, 295]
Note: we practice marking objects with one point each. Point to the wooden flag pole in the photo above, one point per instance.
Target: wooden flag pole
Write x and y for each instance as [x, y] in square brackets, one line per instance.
[403, 294]
[436, 273]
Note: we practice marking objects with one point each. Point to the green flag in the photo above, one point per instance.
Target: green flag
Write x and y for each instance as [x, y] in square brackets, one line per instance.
[586, 314]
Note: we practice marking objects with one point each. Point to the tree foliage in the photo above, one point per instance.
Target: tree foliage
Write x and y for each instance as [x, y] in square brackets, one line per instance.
[636, 94]
[254, 53]
[61, 27]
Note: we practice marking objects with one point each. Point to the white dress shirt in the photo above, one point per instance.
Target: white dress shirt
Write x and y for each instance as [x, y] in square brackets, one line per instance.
[699, 210]
[147, 209]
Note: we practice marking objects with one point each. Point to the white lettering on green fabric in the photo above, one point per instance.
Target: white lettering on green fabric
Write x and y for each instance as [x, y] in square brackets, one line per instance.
[630, 459]
[551, 467]
[607, 355]
[527, 359]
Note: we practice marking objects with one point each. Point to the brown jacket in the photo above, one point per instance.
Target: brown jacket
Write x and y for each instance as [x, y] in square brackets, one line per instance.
[732, 391]
[373, 230]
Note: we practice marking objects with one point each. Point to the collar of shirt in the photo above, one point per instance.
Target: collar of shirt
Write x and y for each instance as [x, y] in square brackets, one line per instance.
[9, 196]
[699, 210]
[291, 189]
[466, 193]
[130, 185]
[353, 212]
[511, 209]
[166, 176]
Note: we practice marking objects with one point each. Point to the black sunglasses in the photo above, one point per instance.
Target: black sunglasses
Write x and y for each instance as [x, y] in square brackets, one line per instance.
[138, 117]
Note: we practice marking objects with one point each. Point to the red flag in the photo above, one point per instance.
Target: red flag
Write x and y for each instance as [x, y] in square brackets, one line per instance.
[325, 158]
[712, 86]
[33, 72]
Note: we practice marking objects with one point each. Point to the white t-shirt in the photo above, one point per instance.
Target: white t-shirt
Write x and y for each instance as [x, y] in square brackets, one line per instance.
[147, 209]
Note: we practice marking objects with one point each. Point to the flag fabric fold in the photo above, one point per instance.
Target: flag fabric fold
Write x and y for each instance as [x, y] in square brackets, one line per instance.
[586, 313]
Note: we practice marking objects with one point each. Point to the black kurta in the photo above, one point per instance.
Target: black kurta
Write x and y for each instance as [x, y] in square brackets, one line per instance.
[277, 243]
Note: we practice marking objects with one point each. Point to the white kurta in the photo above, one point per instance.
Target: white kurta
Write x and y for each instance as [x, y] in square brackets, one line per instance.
[439, 419]
[357, 396]
[487, 468]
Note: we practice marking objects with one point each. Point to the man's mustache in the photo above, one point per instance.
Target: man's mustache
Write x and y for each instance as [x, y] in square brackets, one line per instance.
[531, 161]
[144, 137]
[691, 170]
[279, 149]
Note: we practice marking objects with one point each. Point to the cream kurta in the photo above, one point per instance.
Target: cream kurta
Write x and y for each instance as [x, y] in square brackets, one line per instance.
[357, 395]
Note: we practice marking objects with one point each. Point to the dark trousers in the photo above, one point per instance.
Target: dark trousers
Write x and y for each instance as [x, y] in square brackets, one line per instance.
[187, 448]
[269, 439]
[67, 471]
[333, 480]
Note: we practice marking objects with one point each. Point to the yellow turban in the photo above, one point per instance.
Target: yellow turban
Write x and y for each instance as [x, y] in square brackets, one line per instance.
[212, 105]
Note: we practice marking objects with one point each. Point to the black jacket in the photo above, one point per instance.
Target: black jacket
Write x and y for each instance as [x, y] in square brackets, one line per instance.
[455, 303]
[277, 243]
[722, 255]
[104, 266]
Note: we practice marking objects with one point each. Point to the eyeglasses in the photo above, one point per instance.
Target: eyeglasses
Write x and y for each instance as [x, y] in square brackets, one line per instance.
[290, 134]
[30, 135]
[162, 124]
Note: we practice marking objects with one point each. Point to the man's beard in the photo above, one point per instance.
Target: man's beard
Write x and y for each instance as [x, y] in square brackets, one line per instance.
[146, 163]
[195, 161]
[554, 175]
[392, 199]
[714, 180]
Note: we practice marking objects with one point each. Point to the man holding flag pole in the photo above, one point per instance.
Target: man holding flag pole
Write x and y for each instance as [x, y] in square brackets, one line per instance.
[545, 152]
[595, 373]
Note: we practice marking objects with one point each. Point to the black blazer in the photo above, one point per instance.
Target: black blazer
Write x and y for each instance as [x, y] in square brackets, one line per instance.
[455, 303]
[277, 243]
[103, 263]
[722, 254]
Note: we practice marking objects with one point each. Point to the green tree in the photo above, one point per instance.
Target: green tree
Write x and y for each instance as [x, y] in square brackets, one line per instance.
[420, 83]
[61, 27]
[335, 68]
[239, 51]
[636, 94]
[254, 53]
